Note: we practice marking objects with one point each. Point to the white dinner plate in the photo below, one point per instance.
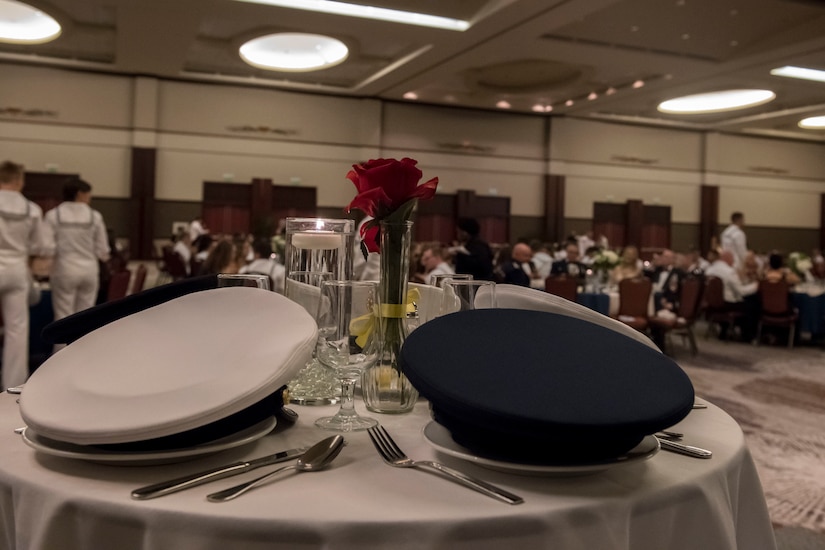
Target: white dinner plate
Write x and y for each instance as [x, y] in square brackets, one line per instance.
[146, 458]
[439, 437]
[171, 368]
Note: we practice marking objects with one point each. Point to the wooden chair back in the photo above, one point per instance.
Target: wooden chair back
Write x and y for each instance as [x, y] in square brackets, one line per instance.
[634, 296]
[775, 298]
[690, 298]
[563, 286]
[173, 263]
[118, 285]
[140, 279]
[714, 293]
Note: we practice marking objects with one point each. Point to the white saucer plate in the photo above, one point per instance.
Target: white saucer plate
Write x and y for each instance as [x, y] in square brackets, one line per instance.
[439, 437]
[146, 458]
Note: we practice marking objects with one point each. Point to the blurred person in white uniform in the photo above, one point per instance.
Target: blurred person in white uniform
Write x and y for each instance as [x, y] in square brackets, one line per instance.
[733, 239]
[78, 235]
[21, 224]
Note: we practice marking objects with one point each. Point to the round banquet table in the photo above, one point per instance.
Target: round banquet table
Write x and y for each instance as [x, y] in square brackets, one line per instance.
[669, 501]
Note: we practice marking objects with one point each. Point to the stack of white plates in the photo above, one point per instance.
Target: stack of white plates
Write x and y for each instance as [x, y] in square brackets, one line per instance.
[199, 373]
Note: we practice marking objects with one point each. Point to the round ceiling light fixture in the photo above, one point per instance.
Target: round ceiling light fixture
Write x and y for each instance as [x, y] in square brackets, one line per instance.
[24, 24]
[813, 123]
[716, 102]
[294, 52]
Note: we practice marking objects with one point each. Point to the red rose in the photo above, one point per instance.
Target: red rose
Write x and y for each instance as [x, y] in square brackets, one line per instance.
[385, 185]
[370, 237]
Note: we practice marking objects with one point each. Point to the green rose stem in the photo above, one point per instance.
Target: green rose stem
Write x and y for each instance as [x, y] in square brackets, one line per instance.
[385, 388]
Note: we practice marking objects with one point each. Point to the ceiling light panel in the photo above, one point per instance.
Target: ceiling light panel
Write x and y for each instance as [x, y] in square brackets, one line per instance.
[813, 123]
[800, 72]
[716, 102]
[369, 12]
[24, 24]
[294, 52]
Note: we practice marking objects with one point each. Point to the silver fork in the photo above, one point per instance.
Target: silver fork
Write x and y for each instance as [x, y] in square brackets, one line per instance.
[394, 456]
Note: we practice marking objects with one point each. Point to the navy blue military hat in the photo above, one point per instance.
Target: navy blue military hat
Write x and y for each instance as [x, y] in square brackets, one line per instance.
[538, 387]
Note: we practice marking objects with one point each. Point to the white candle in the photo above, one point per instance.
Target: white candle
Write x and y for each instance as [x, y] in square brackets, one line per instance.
[317, 240]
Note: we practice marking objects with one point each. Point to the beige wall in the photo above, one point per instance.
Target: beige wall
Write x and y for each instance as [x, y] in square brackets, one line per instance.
[88, 123]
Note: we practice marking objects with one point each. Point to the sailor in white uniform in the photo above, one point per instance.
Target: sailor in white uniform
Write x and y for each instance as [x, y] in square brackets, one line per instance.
[78, 235]
[21, 237]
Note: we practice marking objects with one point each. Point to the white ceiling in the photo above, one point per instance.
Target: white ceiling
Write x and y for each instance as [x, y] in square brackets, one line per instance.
[522, 51]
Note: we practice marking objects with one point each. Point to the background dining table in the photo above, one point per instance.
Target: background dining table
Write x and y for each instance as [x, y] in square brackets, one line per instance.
[809, 300]
[668, 501]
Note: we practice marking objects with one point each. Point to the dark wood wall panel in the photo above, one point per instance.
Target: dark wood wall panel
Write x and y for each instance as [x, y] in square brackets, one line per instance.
[45, 189]
[708, 216]
[144, 161]
[554, 193]
[294, 202]
[435, 220]
[610, 220]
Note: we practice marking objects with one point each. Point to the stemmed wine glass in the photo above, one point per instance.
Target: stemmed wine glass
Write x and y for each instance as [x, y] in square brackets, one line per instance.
[348, 342]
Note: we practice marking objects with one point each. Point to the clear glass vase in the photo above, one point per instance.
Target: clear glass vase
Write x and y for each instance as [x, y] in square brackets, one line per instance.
[384, 387]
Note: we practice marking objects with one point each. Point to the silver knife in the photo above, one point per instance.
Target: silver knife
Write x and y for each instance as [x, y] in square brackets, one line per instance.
[221, 472]
[681, 448]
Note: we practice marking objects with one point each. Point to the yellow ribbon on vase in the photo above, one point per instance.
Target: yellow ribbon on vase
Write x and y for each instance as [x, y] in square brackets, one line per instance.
[363, 326]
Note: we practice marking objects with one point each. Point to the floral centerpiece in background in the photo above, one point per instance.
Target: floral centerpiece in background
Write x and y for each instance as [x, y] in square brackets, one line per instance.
[603, 263]
[388, 192]
[800, 264]
[605, 260]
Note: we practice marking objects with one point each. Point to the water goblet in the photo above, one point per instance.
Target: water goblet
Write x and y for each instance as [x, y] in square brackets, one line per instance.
[348, 342]
[243, 279]
[437, 280]
[465, 295]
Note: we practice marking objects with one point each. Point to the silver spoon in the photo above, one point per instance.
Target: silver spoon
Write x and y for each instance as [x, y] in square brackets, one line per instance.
[315, 458]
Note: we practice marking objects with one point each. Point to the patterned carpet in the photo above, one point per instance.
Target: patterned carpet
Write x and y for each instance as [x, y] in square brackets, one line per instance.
[778, 397]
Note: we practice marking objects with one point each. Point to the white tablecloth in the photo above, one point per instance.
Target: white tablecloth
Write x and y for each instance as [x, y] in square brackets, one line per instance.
[669, 502]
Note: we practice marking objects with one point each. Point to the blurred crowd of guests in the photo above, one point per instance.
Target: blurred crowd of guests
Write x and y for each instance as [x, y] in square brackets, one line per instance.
[202, 253]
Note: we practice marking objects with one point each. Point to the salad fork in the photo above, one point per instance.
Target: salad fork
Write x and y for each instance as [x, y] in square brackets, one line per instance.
[394, 456]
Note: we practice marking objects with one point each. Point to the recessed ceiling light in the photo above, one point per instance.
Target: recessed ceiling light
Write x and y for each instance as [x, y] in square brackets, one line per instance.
[813, 123]
[592, 95]
[800, 72]
[569, 103]
[503, 104]
[369, 12]
[638, 84]
[542, 108]
[716, 102]
[610, 91]
[24, 24]
[294, 52]
[410, 95]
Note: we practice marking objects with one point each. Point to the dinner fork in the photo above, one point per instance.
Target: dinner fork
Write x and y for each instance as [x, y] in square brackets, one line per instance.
[394, 456]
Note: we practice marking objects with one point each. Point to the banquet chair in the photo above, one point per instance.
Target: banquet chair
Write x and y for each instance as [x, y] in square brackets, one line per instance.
[634, 300]
[690, 299]
[777, 310]
[561, 285]
[118, 285]
[173, 267]
[140, 279]
[716, 311]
